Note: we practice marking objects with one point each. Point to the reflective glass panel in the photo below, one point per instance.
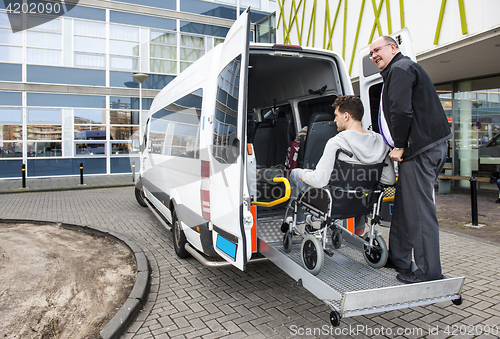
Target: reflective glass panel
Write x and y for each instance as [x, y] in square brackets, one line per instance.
[164, 37]
[123, 103]
[10, 116]
[11, 149]
[226, 113]
[44, 116]
[192, 27]
[121, 148]
[87, 44]
[66, 100]
[90, 148]
[11, 132]
[164, 52]
[66, 75]
[44, 132]
[84, 116]
[44, 149]
[125, 63]
[209, 8]
[87, 13]
[44, 40]
[11, 54]
[9, 38]
[43, 56]
[163, 66]
[123, 117]
[124, 32]
[90, 133]
[185, 65]
[476, 117]
[88, 28]
[168, 4]
[90, 60]
[124, 47]
[192, 41]
[11, 98]
[123, 133]
[191, 54]
[41, 23]
[142, 20]
[10, 72]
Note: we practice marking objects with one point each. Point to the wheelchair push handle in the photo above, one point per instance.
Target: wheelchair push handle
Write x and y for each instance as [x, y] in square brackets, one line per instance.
[280, 200]
[346, 152]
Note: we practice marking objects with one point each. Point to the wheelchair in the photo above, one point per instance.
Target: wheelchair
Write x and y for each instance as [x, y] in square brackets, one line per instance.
[354, 190]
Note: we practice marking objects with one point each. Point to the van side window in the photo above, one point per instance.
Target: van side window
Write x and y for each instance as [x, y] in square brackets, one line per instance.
[175, 129]
[226, 113]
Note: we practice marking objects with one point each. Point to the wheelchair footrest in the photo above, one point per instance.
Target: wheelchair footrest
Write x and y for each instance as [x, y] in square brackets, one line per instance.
[328, 252]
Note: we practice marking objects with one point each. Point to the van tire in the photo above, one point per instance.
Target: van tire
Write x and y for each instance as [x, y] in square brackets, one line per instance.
[179, 238]
[139, 196]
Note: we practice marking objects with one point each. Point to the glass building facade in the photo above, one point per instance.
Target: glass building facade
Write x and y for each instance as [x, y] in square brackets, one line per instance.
[67, 95]
[473, 110]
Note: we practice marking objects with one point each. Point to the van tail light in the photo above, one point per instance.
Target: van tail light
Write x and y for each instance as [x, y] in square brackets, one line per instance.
[205, 190]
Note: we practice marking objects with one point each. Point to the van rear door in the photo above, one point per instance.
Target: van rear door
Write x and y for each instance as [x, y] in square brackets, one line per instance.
[370, 80]
[227, 175]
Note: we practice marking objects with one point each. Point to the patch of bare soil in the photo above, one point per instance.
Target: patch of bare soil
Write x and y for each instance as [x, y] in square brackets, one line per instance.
[58, 283]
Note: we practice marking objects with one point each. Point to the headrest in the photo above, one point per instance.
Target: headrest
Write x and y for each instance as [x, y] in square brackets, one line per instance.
[320, 116]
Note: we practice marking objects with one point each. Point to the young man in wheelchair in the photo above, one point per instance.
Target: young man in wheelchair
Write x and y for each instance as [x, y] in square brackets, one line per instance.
[367, 148]
[341, 189]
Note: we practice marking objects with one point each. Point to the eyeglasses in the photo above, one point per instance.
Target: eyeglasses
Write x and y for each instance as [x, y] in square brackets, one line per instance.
[376, 50]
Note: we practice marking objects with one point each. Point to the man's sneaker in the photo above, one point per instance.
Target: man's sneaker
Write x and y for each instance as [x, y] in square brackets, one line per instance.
[312, 221]
[498, 201]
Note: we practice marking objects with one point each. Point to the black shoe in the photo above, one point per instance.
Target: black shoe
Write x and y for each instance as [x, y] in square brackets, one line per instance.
[498, 201]
[408, 279]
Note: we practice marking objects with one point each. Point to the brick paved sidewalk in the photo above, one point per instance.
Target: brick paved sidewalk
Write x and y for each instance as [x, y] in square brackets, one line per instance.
[188, 300]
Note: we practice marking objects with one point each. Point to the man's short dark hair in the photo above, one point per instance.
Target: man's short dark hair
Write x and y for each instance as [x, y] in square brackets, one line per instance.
[350, 104]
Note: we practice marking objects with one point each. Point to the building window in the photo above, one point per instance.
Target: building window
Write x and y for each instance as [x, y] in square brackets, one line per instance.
[44, 132]
[163, 52]
[192, 48]
[89, 44]
[11, 132]
[44, 44]
[124, 47]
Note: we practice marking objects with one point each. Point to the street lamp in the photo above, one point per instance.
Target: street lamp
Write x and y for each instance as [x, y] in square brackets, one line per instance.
[140, 78]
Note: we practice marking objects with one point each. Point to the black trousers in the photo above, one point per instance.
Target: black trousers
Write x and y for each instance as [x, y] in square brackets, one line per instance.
[414, 227]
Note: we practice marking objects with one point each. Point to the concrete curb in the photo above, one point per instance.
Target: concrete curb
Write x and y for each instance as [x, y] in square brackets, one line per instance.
[139, 294]
[66, 188]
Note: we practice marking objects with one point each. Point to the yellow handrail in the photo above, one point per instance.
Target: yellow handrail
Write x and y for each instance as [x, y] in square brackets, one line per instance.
[280, 200]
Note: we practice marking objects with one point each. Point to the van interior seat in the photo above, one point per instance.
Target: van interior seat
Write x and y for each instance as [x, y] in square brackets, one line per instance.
[283, 134]
[321, 128]
[262, 142]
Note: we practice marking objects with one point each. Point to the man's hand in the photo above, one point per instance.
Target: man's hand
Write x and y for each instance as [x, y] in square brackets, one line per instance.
[396, 155]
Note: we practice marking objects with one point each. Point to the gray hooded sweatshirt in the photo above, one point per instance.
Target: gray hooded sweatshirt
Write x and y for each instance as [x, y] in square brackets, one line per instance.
[367, 148]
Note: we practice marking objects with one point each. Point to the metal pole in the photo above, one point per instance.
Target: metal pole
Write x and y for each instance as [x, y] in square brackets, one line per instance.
[473, 200]
[133, 171]
[81, 173]
[23, 169]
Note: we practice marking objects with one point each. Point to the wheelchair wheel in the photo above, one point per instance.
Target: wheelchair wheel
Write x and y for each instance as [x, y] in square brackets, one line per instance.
[287, 242]
[377, 257]
[312, 254]
[337, 238]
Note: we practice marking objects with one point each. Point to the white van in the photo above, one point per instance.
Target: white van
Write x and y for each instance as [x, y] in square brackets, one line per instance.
[214, 126]
[217, 135]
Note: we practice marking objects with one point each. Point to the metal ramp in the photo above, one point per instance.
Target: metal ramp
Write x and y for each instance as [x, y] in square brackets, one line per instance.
[347, 284]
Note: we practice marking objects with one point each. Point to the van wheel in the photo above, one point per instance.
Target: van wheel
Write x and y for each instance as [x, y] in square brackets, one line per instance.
[139, 196]
[179, 239]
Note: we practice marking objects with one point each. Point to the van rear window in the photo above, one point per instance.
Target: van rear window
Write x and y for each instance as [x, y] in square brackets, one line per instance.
[225, 149]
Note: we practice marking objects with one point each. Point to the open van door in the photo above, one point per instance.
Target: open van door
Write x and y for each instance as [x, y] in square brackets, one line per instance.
[370, 80]
[228, 209]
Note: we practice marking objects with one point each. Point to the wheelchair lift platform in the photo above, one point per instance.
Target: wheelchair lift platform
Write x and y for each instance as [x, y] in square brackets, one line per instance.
[347, 284]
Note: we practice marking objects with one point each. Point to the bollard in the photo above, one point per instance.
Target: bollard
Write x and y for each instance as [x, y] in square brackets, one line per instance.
[81, 173]
[473, 200]
[133, 171]
[23, 169]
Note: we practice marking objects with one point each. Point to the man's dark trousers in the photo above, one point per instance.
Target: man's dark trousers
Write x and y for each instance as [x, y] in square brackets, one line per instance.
[414, 222]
